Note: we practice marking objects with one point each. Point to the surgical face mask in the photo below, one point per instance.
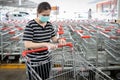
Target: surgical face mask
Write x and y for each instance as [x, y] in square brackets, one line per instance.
[44, 18]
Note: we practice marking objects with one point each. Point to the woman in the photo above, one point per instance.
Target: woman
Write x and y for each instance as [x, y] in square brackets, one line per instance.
[38, 33]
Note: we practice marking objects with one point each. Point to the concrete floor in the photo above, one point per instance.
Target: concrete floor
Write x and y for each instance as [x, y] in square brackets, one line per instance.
[12, 74]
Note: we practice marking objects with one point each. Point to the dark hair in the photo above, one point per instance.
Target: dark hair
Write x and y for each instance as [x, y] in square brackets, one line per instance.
[43, 6]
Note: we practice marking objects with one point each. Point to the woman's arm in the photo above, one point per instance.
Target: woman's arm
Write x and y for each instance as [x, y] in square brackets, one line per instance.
[30, 44]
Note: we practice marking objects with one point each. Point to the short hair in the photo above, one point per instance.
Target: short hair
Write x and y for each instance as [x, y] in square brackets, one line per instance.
[43, 6]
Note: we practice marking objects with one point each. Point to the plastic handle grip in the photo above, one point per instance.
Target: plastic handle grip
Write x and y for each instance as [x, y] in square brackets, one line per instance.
[24, 53]
[80, 31]
[19, 28]
[108, 30]
[68, 44]
[113, 37]
[60, 32]
[108, 36]
[86, 36]
[93, 31]
[4, 28]
[12, 32]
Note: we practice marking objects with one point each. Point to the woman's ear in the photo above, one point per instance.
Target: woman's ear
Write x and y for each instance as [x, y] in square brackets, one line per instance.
[37, 14]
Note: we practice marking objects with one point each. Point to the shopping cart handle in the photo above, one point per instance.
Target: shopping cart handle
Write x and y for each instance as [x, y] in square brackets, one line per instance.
[85, 36]
[60, 32]
[24, 53]
[81, 31]
[12, 32]
[118, 31]
[113, 37]
[68, 44]
[93, 31]
[3, 28]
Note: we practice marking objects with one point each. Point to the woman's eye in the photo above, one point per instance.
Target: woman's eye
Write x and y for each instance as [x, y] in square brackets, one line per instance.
[46, 15]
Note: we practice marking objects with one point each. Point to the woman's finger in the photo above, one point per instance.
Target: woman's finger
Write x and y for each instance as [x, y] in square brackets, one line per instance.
[63, 42]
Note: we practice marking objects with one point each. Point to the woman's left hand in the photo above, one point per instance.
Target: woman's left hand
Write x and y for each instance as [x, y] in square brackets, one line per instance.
[62, 42]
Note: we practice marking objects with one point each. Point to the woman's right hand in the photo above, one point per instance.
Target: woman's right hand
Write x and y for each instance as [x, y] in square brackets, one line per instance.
[51, 46]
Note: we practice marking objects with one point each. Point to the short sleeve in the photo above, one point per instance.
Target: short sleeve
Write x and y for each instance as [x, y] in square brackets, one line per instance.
[53, 32]
[28, 33]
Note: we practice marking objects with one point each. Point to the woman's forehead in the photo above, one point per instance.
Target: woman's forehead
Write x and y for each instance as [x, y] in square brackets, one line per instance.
[46, 12]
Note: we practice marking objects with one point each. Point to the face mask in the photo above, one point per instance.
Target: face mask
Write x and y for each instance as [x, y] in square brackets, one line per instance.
[44, 18]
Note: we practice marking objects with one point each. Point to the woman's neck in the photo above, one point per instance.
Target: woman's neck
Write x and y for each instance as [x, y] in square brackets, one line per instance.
[40, 23]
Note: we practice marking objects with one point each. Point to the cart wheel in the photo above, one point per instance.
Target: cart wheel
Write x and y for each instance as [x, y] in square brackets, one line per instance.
[117, 76]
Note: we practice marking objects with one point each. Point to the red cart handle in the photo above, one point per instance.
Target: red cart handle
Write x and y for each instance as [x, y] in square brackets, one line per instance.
[24, 53]
[108, 36]
[83, 36]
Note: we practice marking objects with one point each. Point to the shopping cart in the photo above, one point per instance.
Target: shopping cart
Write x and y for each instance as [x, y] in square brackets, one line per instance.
[67, 65]
[35, 75]
[11, 42]
[112, 47]
[5, 45]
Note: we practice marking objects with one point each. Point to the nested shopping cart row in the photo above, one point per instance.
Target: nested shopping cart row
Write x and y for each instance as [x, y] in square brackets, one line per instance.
[110, 33]
[11, 39]
[99, 38]
[66, 64]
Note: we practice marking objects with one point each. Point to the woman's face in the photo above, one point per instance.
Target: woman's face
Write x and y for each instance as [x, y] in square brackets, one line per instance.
[45, 13]
[44, 16]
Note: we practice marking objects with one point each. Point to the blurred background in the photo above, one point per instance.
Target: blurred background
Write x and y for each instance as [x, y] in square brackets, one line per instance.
[61, 9]
[93, 27]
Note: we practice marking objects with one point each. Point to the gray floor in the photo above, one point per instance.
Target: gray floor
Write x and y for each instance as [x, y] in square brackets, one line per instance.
[12, 74]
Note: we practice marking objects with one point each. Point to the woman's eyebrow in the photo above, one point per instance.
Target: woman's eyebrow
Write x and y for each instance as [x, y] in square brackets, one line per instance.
[46, 14]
